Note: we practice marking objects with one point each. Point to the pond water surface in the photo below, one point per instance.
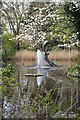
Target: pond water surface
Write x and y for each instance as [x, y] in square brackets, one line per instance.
[65, 91]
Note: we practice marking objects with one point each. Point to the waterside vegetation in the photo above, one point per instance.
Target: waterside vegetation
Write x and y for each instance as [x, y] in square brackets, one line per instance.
[57, 55]
[24, 30]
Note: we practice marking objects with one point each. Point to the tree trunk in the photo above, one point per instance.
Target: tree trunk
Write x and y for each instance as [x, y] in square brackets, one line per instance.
[18, 46]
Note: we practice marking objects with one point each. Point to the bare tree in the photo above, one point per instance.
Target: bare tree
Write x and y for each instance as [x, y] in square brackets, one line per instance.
[13, 15]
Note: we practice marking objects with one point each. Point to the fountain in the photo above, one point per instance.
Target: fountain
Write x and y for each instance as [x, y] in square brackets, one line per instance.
[40, 58]
[41, 69]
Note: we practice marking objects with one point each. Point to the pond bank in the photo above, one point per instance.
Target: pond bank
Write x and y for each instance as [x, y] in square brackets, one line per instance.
[54, 55]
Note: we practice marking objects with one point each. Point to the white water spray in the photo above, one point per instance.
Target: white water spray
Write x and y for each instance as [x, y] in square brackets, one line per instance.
[40, 58]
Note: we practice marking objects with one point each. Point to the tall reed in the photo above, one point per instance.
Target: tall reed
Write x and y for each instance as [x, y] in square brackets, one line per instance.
[63, 55]
[25, 55]
[54, 55]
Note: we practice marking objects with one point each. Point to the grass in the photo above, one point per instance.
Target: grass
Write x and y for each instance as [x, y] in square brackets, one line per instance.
[54, 55]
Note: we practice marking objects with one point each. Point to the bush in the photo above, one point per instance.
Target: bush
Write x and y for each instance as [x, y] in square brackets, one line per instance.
[74, 71]
[8, 81]
[8, 46]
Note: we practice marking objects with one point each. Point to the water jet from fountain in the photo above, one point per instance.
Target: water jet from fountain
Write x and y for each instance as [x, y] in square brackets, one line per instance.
[40, 58]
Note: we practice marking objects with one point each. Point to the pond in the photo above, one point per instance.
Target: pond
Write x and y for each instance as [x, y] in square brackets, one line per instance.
[29, 90]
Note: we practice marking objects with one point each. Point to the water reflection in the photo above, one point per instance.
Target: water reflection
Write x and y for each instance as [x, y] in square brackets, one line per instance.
[33, 63]
[65, 92]
[41, 78]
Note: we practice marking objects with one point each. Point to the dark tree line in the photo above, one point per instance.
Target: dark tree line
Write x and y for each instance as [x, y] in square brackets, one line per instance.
[73, 12]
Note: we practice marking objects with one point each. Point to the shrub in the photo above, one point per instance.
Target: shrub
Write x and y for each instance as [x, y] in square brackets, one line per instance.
[8, 80]
[8, 46]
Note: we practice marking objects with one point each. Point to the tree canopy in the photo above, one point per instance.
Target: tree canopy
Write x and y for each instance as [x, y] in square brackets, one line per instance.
[73, 12]
[13, 15]
[39, 22]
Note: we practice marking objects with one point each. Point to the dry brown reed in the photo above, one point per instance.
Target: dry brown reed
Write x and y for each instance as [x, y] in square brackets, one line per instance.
[25, 55]
[54, 55]
[63, 55]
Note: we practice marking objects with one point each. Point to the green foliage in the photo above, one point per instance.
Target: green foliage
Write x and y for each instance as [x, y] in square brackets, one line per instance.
[73, 12]
[8, 80]
[73, 72]
[8, 86]
[43, 106]
[8, 46]
[78, 111]
[8, 71]
[62, 28]
[24, 45]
